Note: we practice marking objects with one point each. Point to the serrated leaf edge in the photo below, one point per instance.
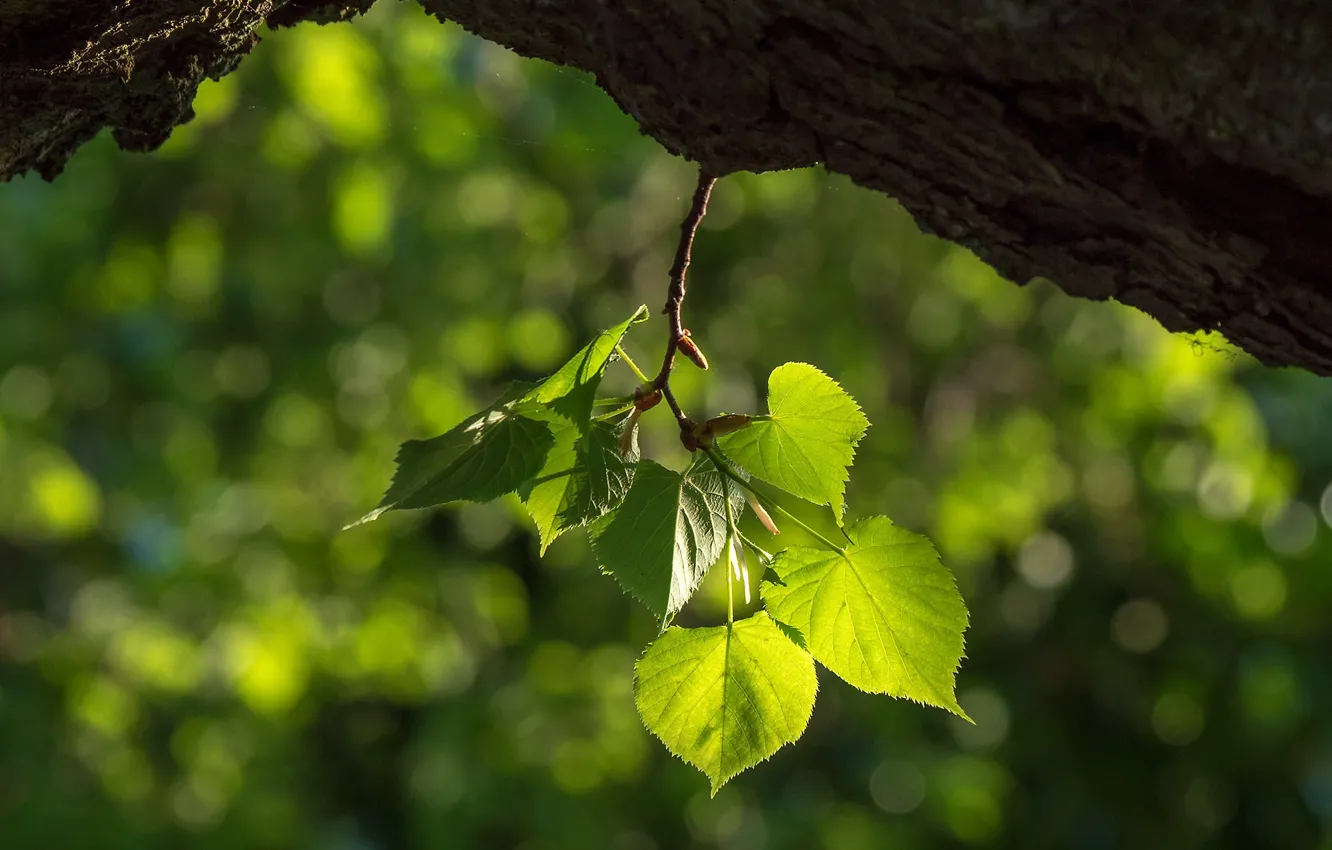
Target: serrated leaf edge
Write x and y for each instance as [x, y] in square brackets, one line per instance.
[718, 783]
[955, 707]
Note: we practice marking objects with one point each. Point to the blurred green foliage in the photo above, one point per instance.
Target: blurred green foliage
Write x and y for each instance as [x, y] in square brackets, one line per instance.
[208, 356]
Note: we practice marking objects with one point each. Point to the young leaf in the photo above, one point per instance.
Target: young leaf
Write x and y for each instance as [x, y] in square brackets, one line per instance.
[670, 529]
[488, 455]
[807, 441]
[885, 615]
[572, 388]
[584, 478]
[725, 698]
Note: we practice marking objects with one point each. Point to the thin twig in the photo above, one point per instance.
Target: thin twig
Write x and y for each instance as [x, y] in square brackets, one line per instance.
[676, 292]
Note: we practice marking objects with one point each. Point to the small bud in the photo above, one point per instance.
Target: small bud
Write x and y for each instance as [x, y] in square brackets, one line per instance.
[646, 398]
[762, 514]
[715, 427]
[689, 435]
[703, 433]
[728, 423]
[691, 350]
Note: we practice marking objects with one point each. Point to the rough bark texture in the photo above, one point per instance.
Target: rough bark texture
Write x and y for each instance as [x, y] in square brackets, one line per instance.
[1175, 155]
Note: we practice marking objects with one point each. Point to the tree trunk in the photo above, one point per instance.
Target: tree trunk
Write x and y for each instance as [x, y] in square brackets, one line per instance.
[1176, 155]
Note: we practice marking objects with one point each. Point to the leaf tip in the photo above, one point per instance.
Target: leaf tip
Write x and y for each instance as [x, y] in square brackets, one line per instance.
[952, 706]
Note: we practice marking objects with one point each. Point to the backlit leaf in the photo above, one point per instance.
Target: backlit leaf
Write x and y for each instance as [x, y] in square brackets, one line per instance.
[886, 615]
[670, 529]
[572, 388]
[725, 698]
[584, 477]
[492, 453]
[808, 440]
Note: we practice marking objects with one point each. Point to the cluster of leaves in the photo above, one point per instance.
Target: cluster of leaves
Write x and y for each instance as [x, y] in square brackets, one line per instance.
[879, 609]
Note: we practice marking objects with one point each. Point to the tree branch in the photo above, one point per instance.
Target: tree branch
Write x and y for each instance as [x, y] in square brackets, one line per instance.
[676, 334]
[1172, 156]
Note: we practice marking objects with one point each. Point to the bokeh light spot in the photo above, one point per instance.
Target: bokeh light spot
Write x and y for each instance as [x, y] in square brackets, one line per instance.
[538, 340]
[1045, 561]
[68, 501]
[1177, 718]
[897, 787]
[1290, 529]
[1140, 625]
[1258, 590]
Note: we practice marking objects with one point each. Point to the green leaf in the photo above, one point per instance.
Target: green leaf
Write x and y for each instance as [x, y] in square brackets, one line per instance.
[585, 477]
[492, 453]
[572, 388]
[808, 440]
[670, 529]
[725, 698]
[885, 615]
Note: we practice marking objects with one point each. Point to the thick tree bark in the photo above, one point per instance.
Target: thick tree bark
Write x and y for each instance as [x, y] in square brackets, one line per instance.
[1176, 156]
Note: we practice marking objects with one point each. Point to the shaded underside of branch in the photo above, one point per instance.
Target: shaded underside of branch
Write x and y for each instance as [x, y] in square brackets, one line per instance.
[1175, 156]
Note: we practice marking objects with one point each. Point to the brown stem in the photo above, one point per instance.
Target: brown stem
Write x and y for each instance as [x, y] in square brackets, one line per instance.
[676, 292]
[674, 405]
